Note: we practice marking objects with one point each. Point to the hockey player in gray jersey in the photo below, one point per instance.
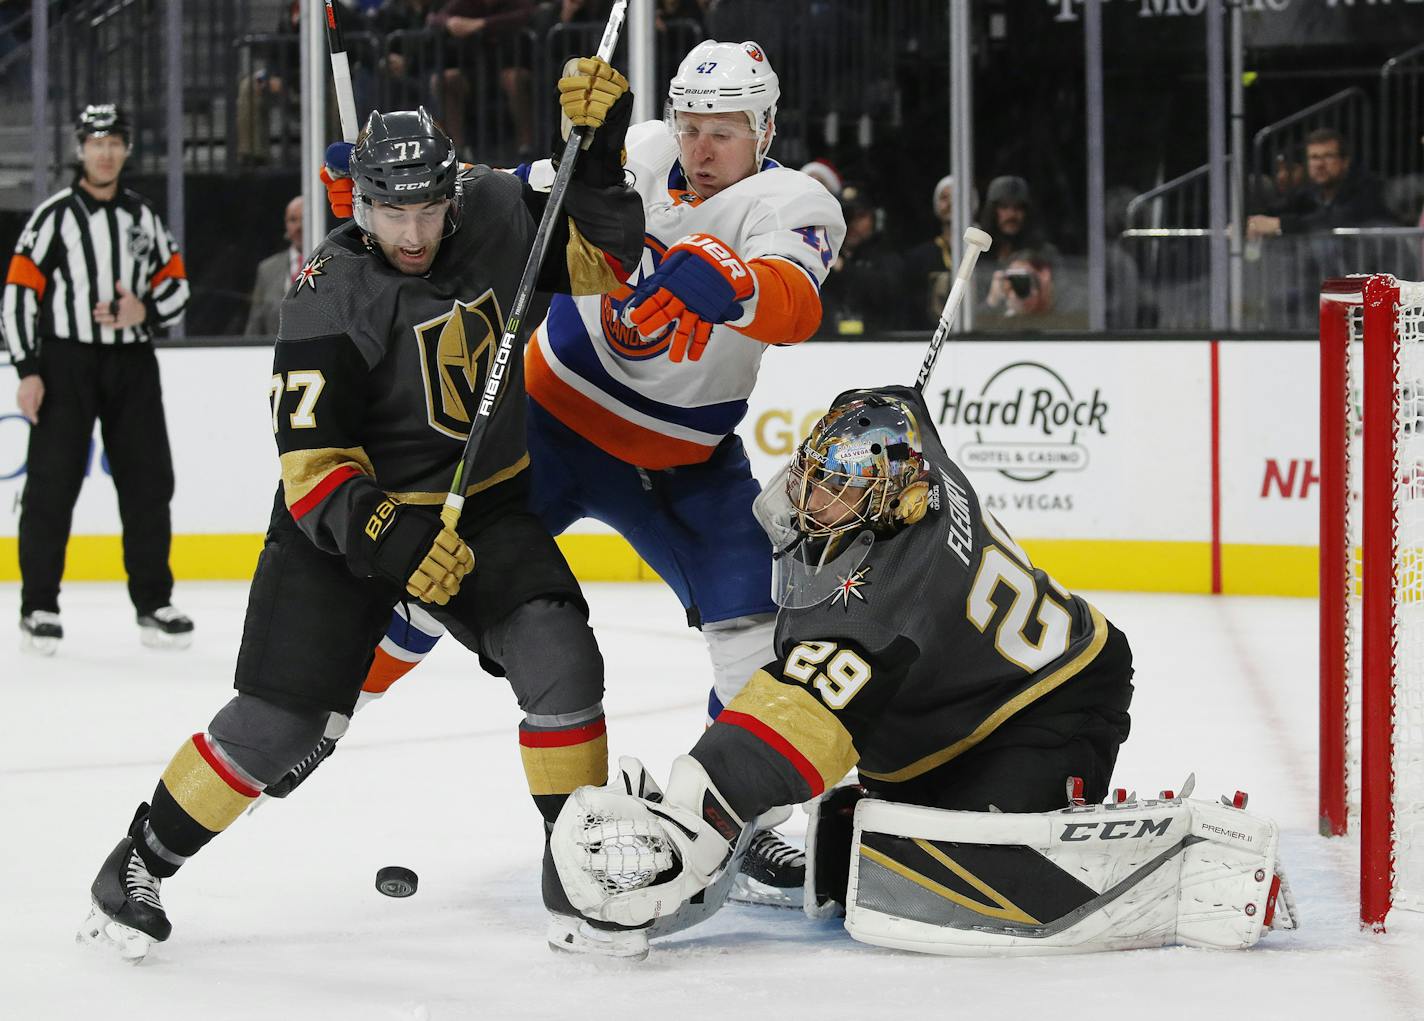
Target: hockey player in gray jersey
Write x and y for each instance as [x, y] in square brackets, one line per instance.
[387, 338]
[919, 644]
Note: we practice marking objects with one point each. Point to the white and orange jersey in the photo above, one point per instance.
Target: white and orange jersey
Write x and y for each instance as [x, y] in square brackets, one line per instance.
[619, 390]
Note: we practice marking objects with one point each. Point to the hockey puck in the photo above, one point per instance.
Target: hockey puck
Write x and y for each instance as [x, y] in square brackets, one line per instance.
[396, 881]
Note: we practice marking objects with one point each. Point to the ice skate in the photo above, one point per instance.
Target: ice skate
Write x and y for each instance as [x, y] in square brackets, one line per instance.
[41, 632]
[166, 628]
[127, 913]
[570, 934]
[298, 773]
[773, 873]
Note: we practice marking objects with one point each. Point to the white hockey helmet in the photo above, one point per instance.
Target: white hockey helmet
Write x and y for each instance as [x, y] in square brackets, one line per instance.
[728, 78]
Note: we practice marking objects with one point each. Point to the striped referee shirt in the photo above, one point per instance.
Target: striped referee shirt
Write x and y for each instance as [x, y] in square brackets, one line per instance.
[70, 254]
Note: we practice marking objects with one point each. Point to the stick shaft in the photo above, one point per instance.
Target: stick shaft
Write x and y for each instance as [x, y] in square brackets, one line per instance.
[494, 383]
[946, 316]
[341, 75]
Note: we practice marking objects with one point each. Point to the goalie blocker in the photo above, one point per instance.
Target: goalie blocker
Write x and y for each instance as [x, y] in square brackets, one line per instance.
[1087, 878]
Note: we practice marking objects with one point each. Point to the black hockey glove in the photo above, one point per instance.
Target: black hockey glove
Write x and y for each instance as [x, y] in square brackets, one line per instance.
[411, 548]
[600, 164]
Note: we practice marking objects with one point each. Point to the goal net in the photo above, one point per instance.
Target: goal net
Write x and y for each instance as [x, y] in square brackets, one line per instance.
[1372, 583]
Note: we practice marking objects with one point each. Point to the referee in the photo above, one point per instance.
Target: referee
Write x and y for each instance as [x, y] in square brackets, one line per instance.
[95, 271]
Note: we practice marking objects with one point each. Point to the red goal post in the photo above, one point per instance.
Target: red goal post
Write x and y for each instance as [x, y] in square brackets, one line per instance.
[1372, 582]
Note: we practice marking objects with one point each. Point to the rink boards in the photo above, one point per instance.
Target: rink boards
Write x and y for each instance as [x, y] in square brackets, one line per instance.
[1179, 465]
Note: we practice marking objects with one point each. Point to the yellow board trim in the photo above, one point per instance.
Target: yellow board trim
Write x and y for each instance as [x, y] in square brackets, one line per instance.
[998, 716]
[1007, 910]
[1105, 565]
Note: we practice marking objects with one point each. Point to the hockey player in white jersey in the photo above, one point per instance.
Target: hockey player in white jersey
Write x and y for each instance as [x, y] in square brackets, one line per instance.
[634, 399]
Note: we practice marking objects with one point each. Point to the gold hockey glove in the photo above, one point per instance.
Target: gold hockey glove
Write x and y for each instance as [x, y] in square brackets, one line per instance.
[587, 91]
[444, 566]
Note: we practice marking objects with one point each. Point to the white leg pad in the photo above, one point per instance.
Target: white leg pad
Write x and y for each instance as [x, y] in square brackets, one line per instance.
[1084, 879]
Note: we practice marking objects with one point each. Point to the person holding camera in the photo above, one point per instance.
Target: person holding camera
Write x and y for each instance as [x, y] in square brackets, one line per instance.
[1022, 296]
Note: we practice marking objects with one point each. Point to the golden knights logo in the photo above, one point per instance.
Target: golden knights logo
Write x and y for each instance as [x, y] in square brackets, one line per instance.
[850, 587]
[457, 350]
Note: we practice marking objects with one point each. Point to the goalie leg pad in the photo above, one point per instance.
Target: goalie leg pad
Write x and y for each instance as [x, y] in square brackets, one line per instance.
[1084, 879]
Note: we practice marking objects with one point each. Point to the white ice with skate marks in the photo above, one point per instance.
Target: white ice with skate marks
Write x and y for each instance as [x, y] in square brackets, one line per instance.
[279, 918]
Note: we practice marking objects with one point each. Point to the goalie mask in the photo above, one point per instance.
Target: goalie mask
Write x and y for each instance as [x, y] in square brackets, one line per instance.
[859, 476]
[404, 159]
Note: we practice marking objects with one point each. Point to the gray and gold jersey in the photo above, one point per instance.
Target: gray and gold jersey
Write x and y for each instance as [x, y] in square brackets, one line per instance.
[928, 644]
[377, 373]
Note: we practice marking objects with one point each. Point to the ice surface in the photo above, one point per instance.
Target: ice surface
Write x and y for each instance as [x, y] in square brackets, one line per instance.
[279, 918]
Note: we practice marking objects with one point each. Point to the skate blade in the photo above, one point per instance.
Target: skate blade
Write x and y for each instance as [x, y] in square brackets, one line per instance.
[746, 890]
[102, 932]
[156, 638]
[38, 646]
[570, 936]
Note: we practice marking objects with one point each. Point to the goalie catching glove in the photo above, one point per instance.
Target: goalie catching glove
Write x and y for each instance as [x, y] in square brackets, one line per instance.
[631, 860]
[700, 282]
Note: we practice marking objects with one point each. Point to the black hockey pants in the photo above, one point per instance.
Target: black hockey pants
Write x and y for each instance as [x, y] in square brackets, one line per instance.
[119, 386]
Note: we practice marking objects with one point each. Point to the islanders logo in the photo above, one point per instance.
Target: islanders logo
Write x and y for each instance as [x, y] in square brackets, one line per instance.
[623, 338]
[754, 51]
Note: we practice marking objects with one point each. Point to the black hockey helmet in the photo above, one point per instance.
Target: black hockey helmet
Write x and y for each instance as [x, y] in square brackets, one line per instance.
[404, 158]
[98, 120]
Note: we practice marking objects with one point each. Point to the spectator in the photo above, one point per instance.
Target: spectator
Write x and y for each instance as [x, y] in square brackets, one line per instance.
[681, 10]
[825, 175]
[400, 69]
[862, 294]
[929, 267]
[1023, 296]
[95, 272]
[267, 87]
[1337, 194]
[481, 34]
[275, 274]
[1010, 217]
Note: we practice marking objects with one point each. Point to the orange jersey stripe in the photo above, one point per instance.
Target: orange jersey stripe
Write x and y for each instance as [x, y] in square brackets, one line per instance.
[385, 671]
[172, 270]
[788, 308]
[24, 273]
[625, 440]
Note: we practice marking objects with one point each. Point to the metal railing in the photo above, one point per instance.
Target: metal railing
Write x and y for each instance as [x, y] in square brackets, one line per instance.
[1401, 91]
[1281, 275]
[1282, 144]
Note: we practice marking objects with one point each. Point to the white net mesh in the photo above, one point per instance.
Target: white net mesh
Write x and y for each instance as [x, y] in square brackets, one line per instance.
[623, 854]
[1407, 739]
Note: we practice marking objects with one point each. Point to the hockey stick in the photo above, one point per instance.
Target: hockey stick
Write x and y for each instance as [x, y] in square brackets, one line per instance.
[455, 499]
[975, 241]
[341, 75]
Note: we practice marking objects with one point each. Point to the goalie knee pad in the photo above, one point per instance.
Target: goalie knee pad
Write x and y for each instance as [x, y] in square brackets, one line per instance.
[829, 828]
[1089, 878]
